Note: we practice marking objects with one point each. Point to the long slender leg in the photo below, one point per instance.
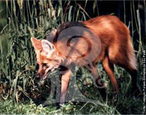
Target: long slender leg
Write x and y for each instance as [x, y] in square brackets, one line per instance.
[133, 73]
[108, 67]
[64, 84]
[97, 81]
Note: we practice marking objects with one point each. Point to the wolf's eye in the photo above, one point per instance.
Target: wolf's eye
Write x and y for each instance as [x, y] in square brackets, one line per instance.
[44, 64]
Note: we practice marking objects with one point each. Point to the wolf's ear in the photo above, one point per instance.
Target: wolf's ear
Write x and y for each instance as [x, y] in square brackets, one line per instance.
[36, 44]
[47, 46]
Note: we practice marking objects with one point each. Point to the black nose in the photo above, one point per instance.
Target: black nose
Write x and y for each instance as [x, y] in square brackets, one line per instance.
[37, 75]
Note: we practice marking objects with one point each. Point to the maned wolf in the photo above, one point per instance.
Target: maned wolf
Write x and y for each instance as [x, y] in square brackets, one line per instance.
[112, 44]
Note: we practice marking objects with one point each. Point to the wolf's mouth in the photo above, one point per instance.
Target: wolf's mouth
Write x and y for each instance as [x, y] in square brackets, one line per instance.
[48, 71]
[46, 75]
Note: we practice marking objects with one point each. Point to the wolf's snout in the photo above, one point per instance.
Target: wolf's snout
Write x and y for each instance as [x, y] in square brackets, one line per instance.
[39, 75]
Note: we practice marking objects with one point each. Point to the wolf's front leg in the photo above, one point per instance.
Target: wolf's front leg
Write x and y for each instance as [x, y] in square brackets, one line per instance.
[64, 84]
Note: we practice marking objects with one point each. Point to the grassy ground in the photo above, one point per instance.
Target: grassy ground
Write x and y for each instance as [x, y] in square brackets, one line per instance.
[123, 102]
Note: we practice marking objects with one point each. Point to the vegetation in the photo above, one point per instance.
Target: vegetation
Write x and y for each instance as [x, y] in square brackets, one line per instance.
[21, 92]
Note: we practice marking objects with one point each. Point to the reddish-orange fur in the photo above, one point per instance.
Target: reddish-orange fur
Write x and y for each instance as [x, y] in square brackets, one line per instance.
[116, 48]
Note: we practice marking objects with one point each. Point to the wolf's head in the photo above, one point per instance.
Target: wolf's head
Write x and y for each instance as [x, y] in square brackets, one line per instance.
[47, 56]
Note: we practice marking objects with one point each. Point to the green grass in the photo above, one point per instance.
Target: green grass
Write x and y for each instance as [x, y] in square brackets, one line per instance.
[125, 104]
[20, 91]
[9, 107]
